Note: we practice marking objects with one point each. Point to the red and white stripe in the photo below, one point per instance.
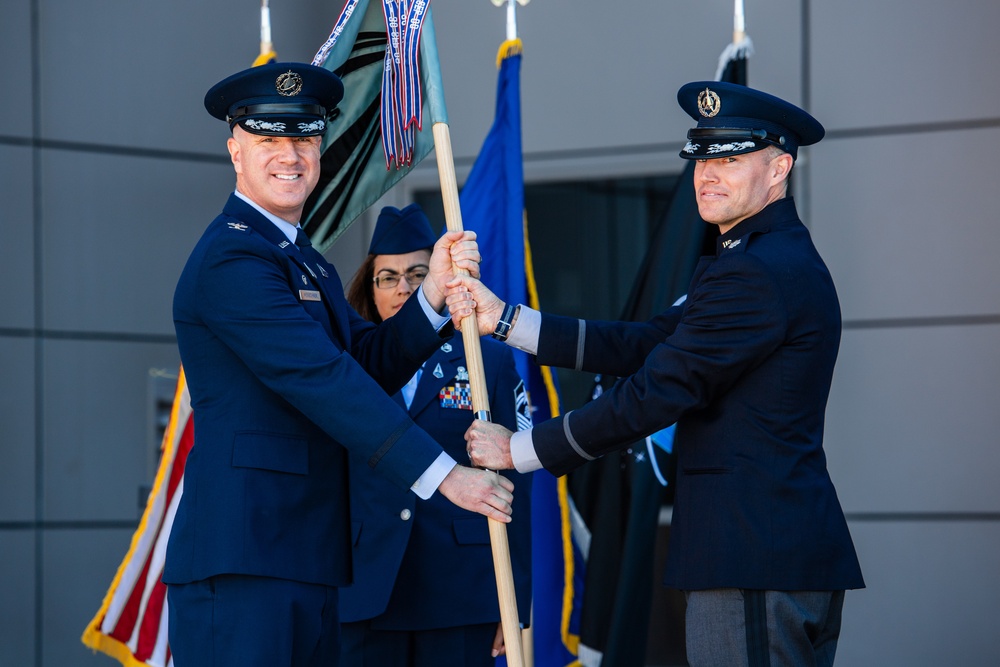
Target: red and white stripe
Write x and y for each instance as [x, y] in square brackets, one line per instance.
[131, 625]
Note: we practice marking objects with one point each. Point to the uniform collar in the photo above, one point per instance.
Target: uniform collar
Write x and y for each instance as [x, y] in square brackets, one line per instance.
[289, 229]
[775, 214]
[244, 211]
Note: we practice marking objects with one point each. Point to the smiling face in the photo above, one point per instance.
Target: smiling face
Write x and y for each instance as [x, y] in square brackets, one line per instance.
[277, 173]
[389, 300]
[731, 189]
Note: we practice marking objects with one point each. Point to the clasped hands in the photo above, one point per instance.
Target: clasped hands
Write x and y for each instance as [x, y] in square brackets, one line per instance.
[453, 251]
[488, 444]
[482, 491]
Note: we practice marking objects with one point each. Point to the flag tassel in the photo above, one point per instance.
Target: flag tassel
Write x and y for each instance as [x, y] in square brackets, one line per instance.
[480, 402]
[740, 49]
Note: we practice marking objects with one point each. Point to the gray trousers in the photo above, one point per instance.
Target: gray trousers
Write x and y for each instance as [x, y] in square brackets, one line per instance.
[732, 627]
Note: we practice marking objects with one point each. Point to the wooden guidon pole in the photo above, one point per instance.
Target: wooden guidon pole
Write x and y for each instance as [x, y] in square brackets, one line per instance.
[480, 404]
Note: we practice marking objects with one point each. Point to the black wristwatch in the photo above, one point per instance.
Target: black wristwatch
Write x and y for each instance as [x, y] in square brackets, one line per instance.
[502, 329]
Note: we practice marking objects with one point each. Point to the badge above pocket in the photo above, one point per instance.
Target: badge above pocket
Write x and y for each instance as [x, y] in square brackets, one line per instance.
[457, 396]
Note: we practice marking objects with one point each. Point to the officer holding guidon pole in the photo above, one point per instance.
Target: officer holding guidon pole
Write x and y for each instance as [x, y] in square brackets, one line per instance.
[759, 543]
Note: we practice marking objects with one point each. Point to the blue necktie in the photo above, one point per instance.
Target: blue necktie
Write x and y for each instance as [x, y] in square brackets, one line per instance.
[301, 240]
[307, 249]
[410, 388]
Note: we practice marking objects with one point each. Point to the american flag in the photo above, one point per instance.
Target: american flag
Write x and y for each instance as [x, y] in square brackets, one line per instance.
[131, 625]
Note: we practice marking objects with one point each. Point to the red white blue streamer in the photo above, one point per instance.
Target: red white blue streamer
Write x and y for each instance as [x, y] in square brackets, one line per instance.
[402, 101]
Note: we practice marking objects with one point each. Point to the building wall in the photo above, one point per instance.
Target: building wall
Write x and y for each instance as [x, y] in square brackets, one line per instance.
[111, 168]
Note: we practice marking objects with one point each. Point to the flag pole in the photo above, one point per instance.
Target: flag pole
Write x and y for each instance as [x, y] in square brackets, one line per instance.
[267, 53]
[480, 404]
[736, 53]
[739, 26]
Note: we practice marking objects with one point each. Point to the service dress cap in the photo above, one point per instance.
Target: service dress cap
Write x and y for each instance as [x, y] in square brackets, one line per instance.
[398, 232]
[277, 99]
[734, 119]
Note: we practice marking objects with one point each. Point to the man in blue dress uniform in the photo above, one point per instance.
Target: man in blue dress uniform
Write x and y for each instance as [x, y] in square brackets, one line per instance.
[758, 541]
[285, 380]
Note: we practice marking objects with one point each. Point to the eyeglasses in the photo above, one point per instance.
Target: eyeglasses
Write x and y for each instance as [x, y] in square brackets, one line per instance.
[389, 280]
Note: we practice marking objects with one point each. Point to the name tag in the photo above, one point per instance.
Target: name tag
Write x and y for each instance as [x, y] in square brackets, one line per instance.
[309, 295]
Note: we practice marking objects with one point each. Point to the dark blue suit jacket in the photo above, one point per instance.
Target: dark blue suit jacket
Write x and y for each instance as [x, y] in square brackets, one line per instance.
[428, 564]
[285, 379]
[744, 368]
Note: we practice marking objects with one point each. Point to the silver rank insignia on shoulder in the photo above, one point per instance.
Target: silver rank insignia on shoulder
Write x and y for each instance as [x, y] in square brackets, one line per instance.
[284, 244]
[238, 226]
[731, 244]
[462, 375]
[438, 373]
[446, 348]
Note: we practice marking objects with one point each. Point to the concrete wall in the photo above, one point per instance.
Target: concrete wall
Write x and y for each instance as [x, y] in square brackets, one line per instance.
[110, 168]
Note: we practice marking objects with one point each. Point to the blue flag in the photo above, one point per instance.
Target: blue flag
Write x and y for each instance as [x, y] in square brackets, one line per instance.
[492, 199]
[492, 203]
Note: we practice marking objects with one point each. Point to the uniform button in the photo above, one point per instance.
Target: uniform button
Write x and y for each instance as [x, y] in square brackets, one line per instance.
[405, 515]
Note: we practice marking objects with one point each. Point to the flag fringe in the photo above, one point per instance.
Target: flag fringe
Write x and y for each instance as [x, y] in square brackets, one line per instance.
[265, 57]
[510, 48]
[733, 51]
[570, 641]
[112, 648]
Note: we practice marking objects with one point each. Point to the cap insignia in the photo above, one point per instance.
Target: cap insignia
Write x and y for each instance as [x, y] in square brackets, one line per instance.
[288, 84]
[708, 103]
